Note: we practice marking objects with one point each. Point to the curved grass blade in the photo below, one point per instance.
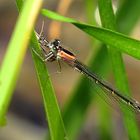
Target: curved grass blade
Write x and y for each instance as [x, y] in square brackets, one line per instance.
[114, 39]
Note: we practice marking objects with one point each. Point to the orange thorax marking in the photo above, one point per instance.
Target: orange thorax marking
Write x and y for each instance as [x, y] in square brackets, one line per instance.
[65, 55]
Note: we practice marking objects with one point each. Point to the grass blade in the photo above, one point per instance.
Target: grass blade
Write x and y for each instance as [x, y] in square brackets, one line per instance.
[15, 53]
[53, 116]
[109, 37]
[108, 21]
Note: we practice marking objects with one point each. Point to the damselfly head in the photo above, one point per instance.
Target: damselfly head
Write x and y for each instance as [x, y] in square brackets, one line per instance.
[54, 44]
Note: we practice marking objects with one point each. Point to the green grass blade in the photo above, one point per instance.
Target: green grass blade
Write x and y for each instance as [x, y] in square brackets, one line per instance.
[53, 116]
[15, 53]
[115, 39]
[108, 21]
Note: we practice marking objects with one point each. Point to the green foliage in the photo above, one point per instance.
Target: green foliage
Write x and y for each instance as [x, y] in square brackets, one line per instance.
[108, 21]
[115, 40]
[75, 110]
[15, 54]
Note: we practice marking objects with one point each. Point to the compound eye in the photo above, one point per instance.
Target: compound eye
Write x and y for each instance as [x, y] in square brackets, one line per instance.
[54, 45]
[56, 42]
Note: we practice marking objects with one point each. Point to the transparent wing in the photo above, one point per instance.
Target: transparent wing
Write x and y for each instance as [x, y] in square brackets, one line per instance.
[105, 96]
[108, 93]
[113, 100]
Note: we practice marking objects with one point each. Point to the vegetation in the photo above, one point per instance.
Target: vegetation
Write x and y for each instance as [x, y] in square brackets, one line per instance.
[113, 33]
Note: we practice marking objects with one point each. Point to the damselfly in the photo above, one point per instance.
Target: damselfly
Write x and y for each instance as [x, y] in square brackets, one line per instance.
[53, 51]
